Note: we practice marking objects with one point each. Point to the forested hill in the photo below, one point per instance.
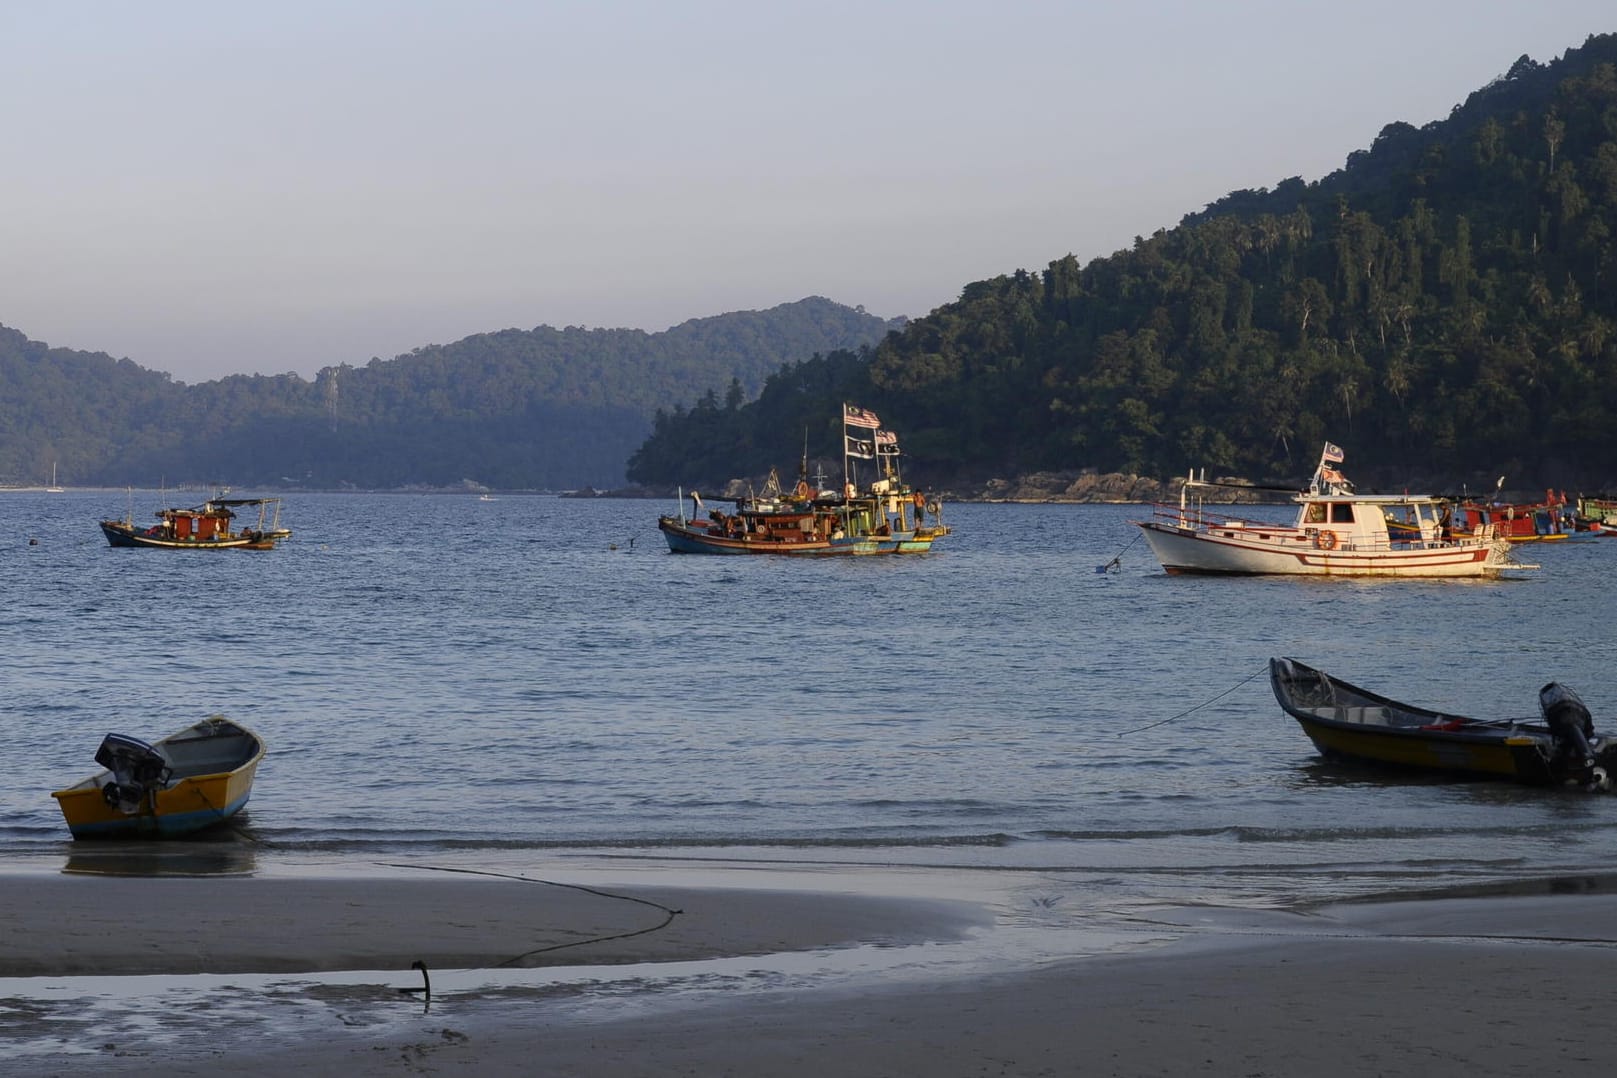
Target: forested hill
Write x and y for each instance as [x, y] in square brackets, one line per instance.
[1443, 306]
[519, 409]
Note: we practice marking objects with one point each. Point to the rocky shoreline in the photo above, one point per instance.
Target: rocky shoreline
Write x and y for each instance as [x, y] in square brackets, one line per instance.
[1089, 486]
[1081, 486]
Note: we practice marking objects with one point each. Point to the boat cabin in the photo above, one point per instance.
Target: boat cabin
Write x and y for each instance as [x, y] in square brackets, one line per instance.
[1369, 521]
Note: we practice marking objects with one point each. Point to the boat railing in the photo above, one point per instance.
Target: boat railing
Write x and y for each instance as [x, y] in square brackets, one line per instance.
[1199, 516]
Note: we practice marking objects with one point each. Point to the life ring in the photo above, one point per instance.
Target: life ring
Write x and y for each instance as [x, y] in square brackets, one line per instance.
[1325, 540]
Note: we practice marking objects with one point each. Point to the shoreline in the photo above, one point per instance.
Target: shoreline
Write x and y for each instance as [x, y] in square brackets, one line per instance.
[72, 925]
[775, 975]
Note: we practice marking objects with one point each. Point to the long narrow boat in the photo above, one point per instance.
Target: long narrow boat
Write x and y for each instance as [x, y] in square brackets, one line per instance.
[1558, 747]
[203, 527]
[1336, 533]
[191, 780]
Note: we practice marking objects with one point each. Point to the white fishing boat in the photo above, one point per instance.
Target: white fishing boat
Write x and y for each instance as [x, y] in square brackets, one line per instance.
[1337, 533]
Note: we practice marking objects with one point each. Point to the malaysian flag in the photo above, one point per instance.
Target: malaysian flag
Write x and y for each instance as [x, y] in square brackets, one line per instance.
[862, 449]
[859, 417]
[1332, 454]
[886, 438]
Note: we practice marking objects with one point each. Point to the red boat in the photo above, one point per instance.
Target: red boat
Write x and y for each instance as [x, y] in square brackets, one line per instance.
[204, 527]
[1522, 522]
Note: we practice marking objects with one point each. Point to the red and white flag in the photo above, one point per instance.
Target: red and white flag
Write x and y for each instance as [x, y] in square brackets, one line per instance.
[859, 417]
[1332, 454]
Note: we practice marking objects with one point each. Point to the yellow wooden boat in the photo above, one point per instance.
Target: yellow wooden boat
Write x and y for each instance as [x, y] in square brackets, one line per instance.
[193, 779]
[1559, 747]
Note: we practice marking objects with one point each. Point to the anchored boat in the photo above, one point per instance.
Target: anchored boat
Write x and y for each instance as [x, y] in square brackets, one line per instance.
[1559, 747]
[193, 779]
[1337, 532]
[884, 516]
[209, 526]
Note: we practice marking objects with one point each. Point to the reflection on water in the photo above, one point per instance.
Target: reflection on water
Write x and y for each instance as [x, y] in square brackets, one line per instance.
[227, 854]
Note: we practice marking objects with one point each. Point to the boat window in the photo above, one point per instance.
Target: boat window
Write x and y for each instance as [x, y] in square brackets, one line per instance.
[1341, 513]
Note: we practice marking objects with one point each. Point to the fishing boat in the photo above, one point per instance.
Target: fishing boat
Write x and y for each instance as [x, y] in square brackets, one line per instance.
[191, 780]
[882, 516]
[1599, 510]
[1337, 532]
[209, 526]
[1558, 747]
[1551, 520]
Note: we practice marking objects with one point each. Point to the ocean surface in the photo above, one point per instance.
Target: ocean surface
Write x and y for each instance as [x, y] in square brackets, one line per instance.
[444, 678]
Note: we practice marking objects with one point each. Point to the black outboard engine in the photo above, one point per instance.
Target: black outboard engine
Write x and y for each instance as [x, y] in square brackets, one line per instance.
[137, 769]
[1571, 726]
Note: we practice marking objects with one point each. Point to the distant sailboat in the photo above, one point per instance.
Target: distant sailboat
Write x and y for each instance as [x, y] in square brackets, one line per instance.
[53, 488]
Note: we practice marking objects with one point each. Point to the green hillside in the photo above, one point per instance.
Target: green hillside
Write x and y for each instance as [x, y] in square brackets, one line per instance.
[518, 409]
[1444, 305]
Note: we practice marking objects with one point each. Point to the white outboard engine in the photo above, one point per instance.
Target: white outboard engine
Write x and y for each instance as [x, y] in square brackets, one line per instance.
[1571, 726]
[137, 770]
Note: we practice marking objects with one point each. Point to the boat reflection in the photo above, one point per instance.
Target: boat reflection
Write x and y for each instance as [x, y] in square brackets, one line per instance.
[234, 855]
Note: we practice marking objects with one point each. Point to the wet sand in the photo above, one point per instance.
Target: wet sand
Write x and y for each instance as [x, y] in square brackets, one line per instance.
[1501, 985]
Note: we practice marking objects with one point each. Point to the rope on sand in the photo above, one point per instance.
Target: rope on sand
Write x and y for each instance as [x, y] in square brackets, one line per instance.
[669, 913]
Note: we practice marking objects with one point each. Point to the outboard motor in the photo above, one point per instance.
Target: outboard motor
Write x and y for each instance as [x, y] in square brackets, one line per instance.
[137, 769]
[1571, 726]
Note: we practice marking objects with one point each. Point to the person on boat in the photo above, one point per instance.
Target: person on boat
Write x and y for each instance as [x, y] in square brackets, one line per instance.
[920, 508]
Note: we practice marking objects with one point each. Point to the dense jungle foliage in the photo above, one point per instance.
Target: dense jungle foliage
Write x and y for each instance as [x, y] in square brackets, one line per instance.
[1443, 306]
[518, 409]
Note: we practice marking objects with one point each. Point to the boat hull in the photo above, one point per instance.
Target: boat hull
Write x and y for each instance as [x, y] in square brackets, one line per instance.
[1455, 754]
[120, 534]
[695, 537]
[1281, 550]
[192, 802]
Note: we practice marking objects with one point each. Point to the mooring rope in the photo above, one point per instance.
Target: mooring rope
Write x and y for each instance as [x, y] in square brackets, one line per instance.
[669, 912]
[1152, 726]
[1117, 559]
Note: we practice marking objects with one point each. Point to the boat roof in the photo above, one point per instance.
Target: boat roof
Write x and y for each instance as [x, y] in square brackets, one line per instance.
[1367, 499]
[1330, 492]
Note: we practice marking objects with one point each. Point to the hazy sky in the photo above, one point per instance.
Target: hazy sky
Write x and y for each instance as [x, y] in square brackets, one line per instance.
[218, 187]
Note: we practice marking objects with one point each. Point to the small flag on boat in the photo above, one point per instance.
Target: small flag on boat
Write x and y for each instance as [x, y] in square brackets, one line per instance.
[1331, 475]
[859, 417]
[862, 449]
[886, 443]
[1332, 454]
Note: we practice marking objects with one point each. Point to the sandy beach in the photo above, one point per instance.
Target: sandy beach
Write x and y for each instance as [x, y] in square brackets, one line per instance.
[269, 975]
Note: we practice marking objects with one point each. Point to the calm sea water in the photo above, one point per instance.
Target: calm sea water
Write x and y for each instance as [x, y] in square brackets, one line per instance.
[443, 676]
